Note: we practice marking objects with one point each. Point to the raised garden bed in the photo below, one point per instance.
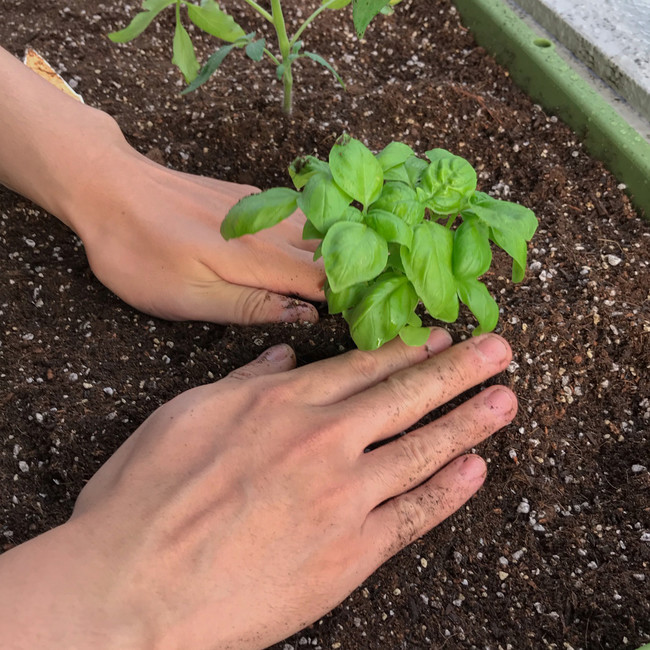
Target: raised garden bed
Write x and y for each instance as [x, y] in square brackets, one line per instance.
[554, 551]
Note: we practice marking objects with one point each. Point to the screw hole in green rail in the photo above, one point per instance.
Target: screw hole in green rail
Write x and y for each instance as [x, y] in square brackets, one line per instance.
[542, 42]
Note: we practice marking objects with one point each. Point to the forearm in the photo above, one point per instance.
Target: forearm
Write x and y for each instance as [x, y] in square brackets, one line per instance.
[49, 143]
[52, 597]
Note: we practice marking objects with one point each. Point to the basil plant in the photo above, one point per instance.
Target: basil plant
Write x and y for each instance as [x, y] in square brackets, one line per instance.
[390, 236]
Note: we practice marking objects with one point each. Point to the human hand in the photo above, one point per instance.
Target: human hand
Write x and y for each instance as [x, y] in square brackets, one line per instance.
[152, 236]
[242, 511]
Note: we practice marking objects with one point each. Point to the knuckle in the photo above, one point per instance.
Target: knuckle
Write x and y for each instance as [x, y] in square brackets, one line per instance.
[411, 519]
[364, 364]
[252, 305]
[415, 452]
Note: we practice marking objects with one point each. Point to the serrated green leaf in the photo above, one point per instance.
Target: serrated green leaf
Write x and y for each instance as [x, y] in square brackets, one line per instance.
[394, 154]
[414, 336]
[382, 311]
[258, 211]
[304, 167]
[255, 50]
[402, 201]
[323, 201]
[346, 299]
[476, 296]
[326, 64]
[353, 253]
[356, 170]
[363, 11]
[210, 67]
[448, 183]
[140, 21]
[390, 227]
[211, 19]
[184, 56]
[428, 266]
[472, 255]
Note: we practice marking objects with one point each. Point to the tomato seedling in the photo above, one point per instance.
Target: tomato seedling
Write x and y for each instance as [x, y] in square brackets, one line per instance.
[209, 17]
[389, 237]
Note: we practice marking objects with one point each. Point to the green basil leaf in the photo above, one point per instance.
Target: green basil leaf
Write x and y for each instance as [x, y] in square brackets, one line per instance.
[259, 211]
[346, 299]
[210, 67]
[326, 64]
[414, 320]
[472, 254]
[183, 51]
[511, 226]
[363, 11]
[395, 258]
[503, 215]
[356, 170]
[279, 71]
[398, 173]
[476, 296]
[394, 154]
[323, 201]
[352, 253]
[318, 253]
[255, 50]
[390, 227]
[309, 231]
[516, 247]
[304, 167]
[415, 168]
[382, 311]
[414, 336]
[448, 183]
[140, 21]
[428, 266]
[211, 19]
[401, 200]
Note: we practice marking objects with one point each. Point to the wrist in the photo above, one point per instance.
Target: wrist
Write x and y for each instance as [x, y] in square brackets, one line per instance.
[52, 597]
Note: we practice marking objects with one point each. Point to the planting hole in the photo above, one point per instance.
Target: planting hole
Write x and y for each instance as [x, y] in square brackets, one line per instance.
[542, 42]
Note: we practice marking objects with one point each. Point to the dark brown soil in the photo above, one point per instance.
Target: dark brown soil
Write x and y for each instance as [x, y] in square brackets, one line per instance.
[555, 550]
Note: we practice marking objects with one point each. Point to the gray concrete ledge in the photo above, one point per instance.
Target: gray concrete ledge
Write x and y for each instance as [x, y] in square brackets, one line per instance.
[611, 37]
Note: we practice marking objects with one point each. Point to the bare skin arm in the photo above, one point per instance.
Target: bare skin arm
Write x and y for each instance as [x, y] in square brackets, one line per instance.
[151, 234]
[244, 510]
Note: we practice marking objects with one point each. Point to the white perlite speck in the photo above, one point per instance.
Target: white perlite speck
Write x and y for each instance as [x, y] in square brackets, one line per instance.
[638, 468]
[23, 466]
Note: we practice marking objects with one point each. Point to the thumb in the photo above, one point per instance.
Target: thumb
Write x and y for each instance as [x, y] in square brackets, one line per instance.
[222, 302]
[278, 358]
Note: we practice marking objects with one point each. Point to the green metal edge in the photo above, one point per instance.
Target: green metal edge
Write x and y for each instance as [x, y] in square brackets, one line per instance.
[536, 67]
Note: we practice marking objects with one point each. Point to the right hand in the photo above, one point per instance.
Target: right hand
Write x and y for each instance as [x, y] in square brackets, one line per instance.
[244, 510]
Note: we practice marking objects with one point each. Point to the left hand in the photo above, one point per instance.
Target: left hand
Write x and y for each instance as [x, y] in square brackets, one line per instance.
[152, 237]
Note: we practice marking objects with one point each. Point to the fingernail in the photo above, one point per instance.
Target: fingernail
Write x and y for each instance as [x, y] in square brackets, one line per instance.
[500, 400]
[493, 348]
[439, 340]
[278, 352]
[472, 467]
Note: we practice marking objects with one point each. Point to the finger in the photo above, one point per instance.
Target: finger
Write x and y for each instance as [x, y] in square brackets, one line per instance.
[406, 396]
[408, 461]
[348, 374]
[403, 519]
[278, 358]
[222, 302]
